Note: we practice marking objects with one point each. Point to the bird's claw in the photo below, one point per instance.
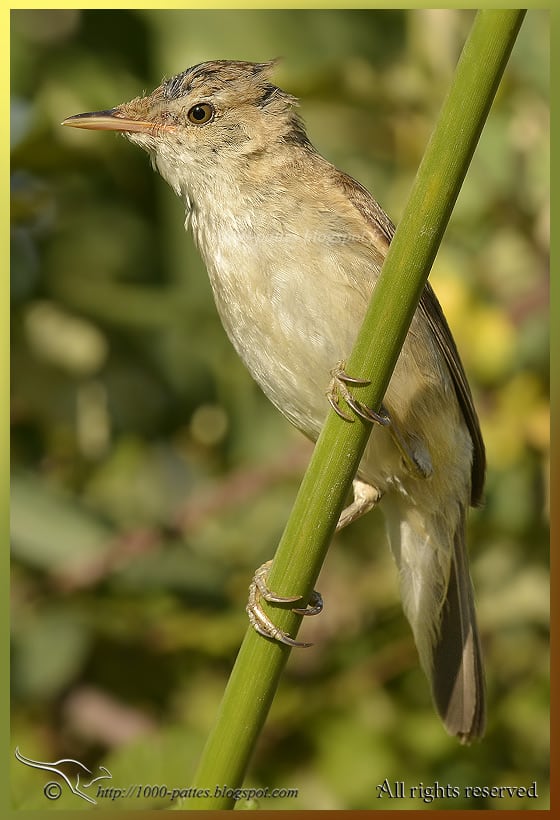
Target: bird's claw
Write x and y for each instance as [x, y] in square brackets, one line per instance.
[259, 590]
[339, 387]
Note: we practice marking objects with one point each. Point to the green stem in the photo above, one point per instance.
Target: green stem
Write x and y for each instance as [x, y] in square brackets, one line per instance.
[335, 460]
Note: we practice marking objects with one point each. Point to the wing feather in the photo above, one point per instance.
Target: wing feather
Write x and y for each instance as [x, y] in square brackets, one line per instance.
[431, 311]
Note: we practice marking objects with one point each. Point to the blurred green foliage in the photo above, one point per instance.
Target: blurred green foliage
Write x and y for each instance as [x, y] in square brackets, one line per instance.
[150, 476]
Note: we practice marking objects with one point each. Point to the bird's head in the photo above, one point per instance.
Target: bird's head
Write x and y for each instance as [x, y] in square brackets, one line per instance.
[212, 117]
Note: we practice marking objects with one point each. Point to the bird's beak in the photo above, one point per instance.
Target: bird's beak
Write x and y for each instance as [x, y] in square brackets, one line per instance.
[111, 120]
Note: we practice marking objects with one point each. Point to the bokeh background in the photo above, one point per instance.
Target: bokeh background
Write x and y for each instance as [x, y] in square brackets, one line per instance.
[150, 476]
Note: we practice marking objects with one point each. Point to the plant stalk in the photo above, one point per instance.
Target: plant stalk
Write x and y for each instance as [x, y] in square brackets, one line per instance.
[338, 451]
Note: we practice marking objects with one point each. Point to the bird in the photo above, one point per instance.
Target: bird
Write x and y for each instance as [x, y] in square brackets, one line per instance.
[293, 248]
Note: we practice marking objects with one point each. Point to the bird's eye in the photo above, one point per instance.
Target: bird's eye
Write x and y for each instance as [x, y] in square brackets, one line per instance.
[200, 114]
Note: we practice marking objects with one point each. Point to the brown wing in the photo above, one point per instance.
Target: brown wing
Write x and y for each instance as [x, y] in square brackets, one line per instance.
[431, 310]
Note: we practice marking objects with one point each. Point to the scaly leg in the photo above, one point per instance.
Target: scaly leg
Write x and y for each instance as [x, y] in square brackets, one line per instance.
[339, 387]
[365, 498]
[261, 622]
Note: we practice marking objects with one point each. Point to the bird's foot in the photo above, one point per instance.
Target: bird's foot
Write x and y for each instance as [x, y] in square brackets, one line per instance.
[417, 463]
[366, 497]
[339, 388]
[259, 590]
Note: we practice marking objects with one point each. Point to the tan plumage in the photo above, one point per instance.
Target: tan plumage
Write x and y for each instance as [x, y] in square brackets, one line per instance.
[293, 248]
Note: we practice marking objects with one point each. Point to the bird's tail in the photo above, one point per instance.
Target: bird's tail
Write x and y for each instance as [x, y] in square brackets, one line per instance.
[438, 601]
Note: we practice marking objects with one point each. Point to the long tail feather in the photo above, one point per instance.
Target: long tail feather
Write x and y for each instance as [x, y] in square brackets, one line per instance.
[438, 601]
